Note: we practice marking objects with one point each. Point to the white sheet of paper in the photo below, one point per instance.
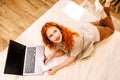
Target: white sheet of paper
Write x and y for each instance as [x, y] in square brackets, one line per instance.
[74, 11]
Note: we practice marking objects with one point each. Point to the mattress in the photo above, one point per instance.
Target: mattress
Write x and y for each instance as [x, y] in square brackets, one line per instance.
[103, 64]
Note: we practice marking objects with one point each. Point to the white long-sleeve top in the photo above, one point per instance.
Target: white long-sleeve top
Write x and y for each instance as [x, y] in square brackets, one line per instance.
[84, 44]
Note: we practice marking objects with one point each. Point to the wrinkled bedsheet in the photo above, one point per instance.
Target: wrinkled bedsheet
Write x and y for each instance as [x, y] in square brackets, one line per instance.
[103, 64]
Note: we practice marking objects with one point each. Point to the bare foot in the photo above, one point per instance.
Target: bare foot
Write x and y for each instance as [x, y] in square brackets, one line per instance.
[98, 6]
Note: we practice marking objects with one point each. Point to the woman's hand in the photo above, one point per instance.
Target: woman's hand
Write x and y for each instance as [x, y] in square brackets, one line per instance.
[53, 70]
[55, 54]
[67, 62]
[48, 58]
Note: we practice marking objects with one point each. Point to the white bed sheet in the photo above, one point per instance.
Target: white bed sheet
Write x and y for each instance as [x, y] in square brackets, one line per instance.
[102, 65]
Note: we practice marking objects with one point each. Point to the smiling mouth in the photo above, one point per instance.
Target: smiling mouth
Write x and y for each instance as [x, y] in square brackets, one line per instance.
[58, 38]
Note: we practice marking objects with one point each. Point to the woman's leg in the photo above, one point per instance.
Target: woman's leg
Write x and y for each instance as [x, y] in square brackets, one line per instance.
[106, 20]
[105, 25]
[104, 11]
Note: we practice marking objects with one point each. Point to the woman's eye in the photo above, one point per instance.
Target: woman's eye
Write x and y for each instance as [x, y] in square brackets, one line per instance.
[55, 31]
[50, 36]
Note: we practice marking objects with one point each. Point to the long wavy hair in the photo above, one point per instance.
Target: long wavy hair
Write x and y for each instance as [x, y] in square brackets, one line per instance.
[67, 38]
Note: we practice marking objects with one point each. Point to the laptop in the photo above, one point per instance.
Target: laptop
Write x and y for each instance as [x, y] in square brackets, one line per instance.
[26, 60]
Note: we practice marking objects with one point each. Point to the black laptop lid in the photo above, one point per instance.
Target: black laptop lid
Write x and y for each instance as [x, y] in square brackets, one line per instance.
[15, 58]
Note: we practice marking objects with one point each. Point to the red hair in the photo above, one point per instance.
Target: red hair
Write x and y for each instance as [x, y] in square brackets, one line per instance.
[67, 39]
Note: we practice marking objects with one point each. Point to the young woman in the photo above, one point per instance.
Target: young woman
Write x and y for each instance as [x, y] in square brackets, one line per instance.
[77, 45]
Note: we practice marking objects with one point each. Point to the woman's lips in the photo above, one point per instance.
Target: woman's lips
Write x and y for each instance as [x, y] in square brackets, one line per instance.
[58, 38]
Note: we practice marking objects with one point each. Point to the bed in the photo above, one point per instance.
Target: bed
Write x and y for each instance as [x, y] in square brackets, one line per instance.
[103, 64]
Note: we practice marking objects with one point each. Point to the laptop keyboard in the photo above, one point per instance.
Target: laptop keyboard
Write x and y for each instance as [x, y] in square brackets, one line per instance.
[30, 60]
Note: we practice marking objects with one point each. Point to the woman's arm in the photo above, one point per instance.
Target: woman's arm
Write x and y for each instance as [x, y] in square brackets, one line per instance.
[58, 53]
[67, 62]
[55, 54]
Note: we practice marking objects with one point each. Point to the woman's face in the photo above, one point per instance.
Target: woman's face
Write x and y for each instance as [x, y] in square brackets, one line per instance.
[54, 35]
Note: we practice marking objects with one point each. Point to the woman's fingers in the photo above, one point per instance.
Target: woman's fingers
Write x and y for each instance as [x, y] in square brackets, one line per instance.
[47, 58]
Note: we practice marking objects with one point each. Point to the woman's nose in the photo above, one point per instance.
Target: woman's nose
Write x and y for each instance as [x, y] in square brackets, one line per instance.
[55, 35]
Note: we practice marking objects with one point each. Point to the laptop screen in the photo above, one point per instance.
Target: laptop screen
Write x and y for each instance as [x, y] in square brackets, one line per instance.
[15, 58]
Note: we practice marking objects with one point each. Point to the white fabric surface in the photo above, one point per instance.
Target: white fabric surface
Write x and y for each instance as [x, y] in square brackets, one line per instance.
[102, 65]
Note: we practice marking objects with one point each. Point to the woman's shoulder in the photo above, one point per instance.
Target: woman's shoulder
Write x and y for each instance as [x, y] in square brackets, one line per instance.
[77, 39]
